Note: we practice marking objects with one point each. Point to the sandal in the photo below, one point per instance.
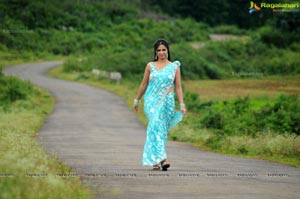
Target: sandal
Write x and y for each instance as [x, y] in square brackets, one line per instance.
[156, 167]
[165, 165]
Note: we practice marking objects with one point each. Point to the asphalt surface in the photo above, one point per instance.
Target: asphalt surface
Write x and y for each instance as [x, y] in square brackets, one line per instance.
[95, 133]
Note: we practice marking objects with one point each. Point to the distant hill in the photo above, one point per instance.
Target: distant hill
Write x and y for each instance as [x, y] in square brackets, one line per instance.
[118, 35]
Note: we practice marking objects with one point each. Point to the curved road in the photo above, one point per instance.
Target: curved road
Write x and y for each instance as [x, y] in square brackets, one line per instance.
[94, 132]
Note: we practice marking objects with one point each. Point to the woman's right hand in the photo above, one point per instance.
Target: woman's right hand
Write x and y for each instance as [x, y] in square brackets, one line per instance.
[136, 105]
[183, 110]
[136, 108]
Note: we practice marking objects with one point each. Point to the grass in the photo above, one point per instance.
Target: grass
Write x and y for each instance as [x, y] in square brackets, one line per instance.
[287, 147]
[282, 148]
[22, 157]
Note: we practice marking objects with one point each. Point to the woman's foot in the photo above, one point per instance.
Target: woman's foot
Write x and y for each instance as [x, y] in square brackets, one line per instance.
[165, 165]
[156, 167]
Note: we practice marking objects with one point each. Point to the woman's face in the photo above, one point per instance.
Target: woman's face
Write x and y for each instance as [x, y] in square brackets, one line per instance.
[162, 52]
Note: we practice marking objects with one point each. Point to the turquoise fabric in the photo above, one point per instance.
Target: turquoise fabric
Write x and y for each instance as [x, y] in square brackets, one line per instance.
[159, 107]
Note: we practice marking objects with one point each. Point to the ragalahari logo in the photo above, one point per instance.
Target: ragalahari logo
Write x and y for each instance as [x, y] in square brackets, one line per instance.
[253, 7]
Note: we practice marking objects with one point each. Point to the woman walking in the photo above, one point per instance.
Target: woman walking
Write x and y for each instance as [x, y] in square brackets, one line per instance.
[161, 79]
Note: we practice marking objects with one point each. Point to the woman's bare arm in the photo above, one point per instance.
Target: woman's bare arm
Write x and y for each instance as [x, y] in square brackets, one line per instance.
[143, 85]
[179, 91]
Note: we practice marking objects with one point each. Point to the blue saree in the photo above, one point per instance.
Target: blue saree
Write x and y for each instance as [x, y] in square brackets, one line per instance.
[159, 107]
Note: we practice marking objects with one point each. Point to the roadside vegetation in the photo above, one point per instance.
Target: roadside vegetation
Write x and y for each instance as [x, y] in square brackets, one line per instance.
[241, 77]
[26, 170]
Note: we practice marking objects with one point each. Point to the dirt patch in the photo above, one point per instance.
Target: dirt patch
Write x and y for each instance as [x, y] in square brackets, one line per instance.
[228, 89]
[217, 38]
[226, 37]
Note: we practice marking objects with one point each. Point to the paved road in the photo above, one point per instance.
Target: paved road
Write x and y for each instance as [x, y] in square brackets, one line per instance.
[95, 133]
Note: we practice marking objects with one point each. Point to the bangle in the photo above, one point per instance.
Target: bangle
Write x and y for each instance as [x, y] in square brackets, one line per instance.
[136, 102]
[182, 105]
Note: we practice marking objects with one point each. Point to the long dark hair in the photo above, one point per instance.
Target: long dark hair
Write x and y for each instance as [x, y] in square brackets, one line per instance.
[161, 42]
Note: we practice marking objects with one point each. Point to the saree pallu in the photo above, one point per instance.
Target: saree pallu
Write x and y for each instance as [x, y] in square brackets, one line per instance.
[159, 107]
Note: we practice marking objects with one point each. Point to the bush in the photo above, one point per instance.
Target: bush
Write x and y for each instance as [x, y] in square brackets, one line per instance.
[277, 37]
[194, 64]
[283, 116]
[237, 117]
[73, 65]
[192, 100]
[13, 89]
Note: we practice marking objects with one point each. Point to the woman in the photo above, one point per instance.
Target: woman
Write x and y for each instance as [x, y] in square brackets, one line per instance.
[161, 78]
